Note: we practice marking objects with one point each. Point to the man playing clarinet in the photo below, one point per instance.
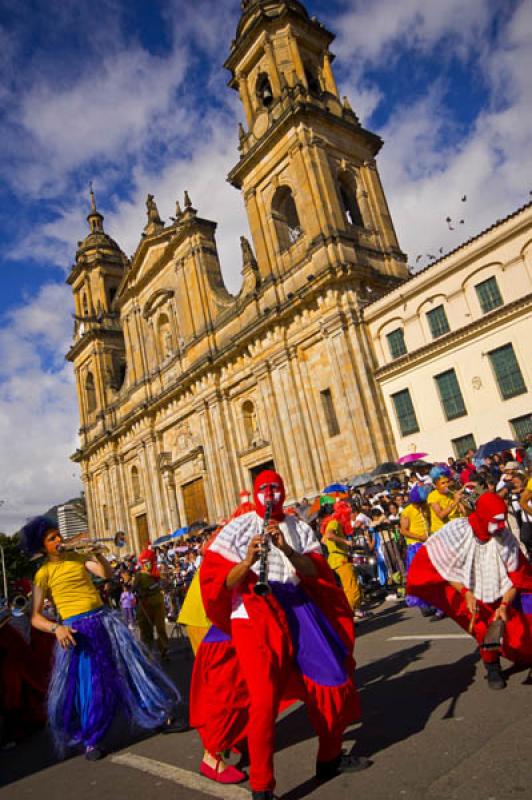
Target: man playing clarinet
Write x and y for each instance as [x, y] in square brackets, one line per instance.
[268, 589]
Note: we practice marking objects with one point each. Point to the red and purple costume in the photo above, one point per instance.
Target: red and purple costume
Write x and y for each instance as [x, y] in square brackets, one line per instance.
[264, 653]
[465, 552]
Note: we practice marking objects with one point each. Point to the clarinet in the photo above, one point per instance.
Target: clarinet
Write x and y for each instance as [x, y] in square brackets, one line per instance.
[262, 587]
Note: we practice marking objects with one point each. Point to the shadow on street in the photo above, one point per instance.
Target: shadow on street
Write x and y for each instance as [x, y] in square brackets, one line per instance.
[36, 753]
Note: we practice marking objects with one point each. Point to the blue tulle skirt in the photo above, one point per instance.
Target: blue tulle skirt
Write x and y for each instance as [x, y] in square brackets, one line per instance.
[107, 672]
[411, 600]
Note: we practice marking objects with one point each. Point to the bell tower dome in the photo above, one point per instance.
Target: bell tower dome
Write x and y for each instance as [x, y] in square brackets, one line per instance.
[307, 167]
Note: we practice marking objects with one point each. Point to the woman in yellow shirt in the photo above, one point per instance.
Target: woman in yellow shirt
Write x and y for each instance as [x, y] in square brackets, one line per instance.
[99, 668]
[414, 527]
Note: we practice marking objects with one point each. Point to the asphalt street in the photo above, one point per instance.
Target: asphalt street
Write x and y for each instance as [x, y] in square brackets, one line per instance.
[430, 725]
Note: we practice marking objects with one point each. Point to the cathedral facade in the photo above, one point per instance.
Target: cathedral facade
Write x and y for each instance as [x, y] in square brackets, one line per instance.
[186, 391]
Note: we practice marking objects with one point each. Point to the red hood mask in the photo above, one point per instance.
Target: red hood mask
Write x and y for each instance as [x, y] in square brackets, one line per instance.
[269, 486]
[489, 505]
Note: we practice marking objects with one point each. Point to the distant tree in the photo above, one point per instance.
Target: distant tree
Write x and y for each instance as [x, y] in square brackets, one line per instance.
[18, 564]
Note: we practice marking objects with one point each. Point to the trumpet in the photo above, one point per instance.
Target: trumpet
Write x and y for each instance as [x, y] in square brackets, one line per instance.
[93, 546]
[20, 605]
[469, 498]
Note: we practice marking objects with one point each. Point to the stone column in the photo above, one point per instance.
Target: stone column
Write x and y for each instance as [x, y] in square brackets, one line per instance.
[233, 439]
[296, 57]
[244, 96]
[376, 414]
[217, 427]
[310, 469]
[150, 507]
[272, 416]
[120, 508]
[274, 72]
[155, 485]
[169, 484]
[111, 501]
[87, 485]
[307, 391]
[347, 391]
[328, 75]
[212, 463]
[289, 423]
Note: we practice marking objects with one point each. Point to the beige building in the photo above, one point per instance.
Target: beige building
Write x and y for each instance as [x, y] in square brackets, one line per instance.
[186, 391]
[453, 345]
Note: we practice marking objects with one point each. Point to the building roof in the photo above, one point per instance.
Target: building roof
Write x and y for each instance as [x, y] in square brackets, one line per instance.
[434, 264]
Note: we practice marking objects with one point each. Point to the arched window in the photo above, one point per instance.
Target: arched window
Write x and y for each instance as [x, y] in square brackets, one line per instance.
[264, 90]
[90, 392]
[164, 333]
[135, 483]
[286, 218]
[249, 416]
[84, 305]
[350, 207]
[313, 82]
[111, 295]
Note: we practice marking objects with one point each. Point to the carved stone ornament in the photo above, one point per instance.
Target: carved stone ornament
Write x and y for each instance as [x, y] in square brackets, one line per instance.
[476, 382]
[183, 437]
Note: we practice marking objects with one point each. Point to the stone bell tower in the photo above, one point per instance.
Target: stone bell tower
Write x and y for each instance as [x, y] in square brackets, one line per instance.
[307, 167]
[97, 352]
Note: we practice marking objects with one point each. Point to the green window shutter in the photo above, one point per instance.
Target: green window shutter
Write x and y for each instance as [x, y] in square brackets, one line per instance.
[488, 295]
[450, 394]
[507, 371]
[462, 444]
[396, 343]
[438, 322]
[522, 426]
[406, 416]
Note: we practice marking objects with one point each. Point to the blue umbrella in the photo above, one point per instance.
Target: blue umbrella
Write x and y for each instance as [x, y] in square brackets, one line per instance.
[495, 446]
[335, 487]
[179, 532]
[161, 540]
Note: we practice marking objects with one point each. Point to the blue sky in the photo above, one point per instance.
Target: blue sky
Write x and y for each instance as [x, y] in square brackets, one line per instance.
[133, 96]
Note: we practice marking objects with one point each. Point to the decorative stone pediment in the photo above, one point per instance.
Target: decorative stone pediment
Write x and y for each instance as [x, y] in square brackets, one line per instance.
[156, 301]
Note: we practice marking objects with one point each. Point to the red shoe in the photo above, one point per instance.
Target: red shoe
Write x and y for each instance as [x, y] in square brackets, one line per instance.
[228, 775]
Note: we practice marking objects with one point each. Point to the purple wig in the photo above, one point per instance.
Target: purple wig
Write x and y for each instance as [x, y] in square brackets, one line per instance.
[33, 533]
[418, 494]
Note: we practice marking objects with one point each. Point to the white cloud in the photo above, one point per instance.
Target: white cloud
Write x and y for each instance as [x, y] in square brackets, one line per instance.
[423, 175]
[370, 31]
[38, 410]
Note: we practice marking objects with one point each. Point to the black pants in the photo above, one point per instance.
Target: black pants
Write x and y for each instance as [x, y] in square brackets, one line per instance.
[526, 536]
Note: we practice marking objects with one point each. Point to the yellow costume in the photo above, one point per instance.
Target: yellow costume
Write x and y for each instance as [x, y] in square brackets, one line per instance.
[419, 524]
[339, 561]
[69, 584]
[444, 501]
[193, 614]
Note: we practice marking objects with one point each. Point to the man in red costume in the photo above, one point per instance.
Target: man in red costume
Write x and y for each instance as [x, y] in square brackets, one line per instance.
[266, 651]
[474, 571]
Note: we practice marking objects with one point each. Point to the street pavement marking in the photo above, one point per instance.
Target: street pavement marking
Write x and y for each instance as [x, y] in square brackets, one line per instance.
[429, 636]
[181, 776]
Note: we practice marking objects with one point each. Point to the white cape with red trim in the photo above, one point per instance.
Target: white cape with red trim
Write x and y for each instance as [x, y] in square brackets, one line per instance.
[482, 567]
